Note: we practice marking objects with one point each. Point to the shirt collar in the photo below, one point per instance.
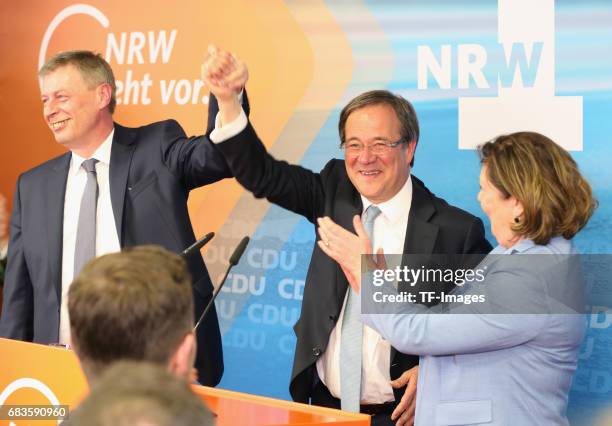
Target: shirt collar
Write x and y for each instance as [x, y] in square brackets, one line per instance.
[396, 208]
[518, 247]
[102, 154]
[556, 244]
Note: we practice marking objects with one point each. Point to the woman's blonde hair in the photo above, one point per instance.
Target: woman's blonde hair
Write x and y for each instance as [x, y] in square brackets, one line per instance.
[540, 174]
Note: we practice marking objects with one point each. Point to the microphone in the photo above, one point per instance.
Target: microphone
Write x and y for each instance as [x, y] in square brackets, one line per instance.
[233, 261]
[189, 251]
[237, 254]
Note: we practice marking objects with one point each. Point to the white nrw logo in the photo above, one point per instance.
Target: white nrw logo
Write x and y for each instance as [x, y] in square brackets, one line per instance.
[75, 9]
[517, 107]
[525, 88]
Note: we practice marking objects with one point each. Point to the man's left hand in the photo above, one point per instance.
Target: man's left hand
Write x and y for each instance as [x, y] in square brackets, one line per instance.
[404, 412]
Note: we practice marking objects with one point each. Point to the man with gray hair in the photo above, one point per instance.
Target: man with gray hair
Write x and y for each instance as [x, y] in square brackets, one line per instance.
[338, 362]
[116, 187]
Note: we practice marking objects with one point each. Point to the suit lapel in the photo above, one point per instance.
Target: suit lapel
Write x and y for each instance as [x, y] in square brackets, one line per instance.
[420, 233]
[54, 195]
[121, 158]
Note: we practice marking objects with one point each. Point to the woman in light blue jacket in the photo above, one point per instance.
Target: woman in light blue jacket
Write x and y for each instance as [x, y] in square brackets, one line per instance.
[508, 356]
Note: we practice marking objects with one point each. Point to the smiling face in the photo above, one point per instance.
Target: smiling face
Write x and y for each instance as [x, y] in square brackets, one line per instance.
[76, 113]
[500, 210]
[378, 177]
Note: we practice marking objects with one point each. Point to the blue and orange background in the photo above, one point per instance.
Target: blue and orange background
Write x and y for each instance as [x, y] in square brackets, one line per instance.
[306, 60]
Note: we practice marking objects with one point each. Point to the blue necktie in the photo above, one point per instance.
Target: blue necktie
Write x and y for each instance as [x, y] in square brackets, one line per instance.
[351, 340]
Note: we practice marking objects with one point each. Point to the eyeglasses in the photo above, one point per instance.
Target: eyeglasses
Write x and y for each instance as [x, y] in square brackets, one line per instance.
[378, 148]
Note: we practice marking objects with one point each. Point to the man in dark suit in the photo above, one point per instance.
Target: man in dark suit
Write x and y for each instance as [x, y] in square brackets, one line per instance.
[117, 187]
[379, 132]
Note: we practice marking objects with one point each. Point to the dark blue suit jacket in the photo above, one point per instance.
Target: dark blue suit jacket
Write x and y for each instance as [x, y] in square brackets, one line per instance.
[152, 170]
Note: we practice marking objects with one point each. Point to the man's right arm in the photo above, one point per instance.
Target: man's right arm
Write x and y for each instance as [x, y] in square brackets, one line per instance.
[289, 186]
[17, 310]
[292, 187]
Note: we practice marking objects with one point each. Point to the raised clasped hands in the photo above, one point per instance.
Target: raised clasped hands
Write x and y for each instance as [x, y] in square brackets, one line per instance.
[224, 73]
[346, 248]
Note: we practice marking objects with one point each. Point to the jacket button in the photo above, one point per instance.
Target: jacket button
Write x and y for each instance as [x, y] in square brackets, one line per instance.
[316, 351]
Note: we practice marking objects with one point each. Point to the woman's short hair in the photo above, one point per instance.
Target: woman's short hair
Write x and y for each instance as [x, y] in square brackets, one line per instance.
[556, 198]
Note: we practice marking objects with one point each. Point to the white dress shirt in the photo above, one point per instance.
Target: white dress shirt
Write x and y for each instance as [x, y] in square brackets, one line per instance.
[389, 234]
[107, 240]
